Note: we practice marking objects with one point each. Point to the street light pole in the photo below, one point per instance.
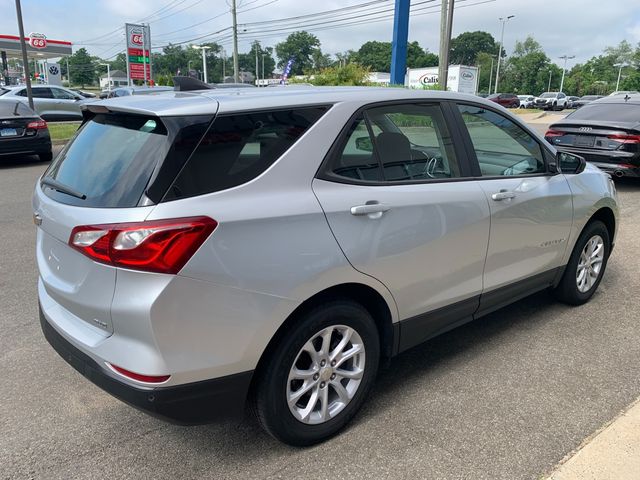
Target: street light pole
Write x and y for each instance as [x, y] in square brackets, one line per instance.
[549, 87]
[263, 65]
[490, 75]
[503, 20]
[257, 74]
[619, 73]
[564, 67]
[204, 49]
[25, 60]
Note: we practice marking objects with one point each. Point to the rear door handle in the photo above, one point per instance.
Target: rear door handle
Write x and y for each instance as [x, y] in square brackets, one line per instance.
[369, 208]
[503, 195]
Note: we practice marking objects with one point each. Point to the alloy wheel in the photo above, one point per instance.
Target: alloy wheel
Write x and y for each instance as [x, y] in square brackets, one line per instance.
[590, 264]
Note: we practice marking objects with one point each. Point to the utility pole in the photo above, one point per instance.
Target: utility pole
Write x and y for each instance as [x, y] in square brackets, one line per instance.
[564, 67]
[234, 14]
[449, 29]
[25, 60]
[503, 20]
[68, 74]
[257, 73]
[443, 57]
[549, 87]
[263, 65]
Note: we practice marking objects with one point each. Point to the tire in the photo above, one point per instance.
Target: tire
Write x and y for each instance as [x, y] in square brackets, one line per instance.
[274, 385]
[569, 290]
[45, 157]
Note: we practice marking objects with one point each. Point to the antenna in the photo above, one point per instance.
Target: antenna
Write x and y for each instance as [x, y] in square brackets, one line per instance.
[186, 84]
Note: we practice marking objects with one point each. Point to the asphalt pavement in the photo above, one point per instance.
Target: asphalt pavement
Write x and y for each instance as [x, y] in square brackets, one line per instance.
[506, 397]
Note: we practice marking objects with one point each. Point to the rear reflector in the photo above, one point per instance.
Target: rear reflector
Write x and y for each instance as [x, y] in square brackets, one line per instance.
[139, 377]
[37, 125]
[161, 246]
[622, 138]
[553, 133]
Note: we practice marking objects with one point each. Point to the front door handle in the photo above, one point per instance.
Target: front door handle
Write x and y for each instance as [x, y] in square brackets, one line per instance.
[503, 195]
[369, 208]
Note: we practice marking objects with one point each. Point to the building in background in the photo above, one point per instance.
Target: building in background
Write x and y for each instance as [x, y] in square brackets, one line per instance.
[462, 78]
[118, 79]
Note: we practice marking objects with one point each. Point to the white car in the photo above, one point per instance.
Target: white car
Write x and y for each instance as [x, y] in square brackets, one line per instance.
[526, 101]
[552, 101]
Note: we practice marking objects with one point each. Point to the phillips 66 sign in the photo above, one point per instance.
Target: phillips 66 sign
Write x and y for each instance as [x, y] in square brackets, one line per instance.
[138, 51]
[37, 40]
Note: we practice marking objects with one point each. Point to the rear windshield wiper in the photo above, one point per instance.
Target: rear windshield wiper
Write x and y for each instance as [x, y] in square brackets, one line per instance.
[62, 188]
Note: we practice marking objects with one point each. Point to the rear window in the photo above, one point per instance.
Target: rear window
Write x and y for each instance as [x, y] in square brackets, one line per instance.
[613, 112]
[237, 148]
[110, 160]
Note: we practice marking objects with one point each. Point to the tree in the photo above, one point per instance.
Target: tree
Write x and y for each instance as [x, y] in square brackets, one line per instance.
[419, 58]
[466, 47]
[375, 55]
[300, 47]
[526, 70]
[350, 74]
[83, 68]
[247, 61]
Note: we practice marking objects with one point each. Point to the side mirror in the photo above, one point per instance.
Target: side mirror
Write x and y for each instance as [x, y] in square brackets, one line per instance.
[364, 143]
[570, 163]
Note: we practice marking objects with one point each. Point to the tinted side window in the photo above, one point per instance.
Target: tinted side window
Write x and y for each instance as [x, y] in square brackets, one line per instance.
[42, 92]
[414, 143]
[238, 148]
[62, 94]
[22, 93]
[502, 147]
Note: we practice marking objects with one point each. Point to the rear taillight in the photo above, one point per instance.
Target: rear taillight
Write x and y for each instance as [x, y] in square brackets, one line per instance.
[162, 246]
[554, 133]
[623, 138]
[37, 125]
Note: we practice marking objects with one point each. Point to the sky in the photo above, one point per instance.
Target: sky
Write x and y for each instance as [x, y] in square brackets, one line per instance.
[563, 27]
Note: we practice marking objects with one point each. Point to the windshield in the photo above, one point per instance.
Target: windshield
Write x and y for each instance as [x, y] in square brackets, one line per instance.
[548, 95]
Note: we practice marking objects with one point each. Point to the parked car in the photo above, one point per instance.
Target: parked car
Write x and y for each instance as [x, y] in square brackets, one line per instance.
[52, 103]
[571, 101]
[82, 93]
[22, 131]
[551, 101]
[526, 101]
[624, 92]
[605, 132]
[128, 91]
[507, 100]
[582, 101]
[326, 236]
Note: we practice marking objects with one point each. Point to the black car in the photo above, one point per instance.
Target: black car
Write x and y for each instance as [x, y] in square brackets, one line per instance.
[582, 101]
[605, 132]
[22, 131]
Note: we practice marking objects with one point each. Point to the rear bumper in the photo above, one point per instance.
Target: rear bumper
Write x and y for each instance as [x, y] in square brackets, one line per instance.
[25, 145]
[187, 404]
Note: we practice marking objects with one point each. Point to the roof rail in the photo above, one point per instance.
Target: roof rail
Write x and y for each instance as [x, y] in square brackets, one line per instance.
[186, 84]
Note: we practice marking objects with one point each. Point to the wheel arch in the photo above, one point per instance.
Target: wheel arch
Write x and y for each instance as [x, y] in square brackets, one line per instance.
[363, 294]
[606, 216]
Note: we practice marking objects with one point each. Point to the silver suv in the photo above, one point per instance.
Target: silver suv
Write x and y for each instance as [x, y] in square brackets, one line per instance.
[200, 250]
[52, 103]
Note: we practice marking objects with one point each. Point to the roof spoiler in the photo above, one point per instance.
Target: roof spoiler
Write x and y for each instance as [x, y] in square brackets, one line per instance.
[186, 84]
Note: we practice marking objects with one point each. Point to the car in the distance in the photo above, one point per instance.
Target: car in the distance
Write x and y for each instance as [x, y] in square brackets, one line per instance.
[508, 100]
[201, 249]
[53, 103]
[605, 132]
[571, 99]
[526, 101]
[551, 101]
[83, 93]
[22, 131]
[586, 99]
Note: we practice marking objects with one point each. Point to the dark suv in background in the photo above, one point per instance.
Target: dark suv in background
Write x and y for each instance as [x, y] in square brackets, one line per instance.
[508, 100]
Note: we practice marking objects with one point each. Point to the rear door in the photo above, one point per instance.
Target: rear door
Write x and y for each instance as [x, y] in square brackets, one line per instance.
[531, 208]
[398, 198]
[44, 102]
[67, 103]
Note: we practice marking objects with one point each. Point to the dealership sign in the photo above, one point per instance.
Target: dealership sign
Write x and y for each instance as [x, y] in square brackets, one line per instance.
[138, 51]
[37, 40]
[461, 78]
